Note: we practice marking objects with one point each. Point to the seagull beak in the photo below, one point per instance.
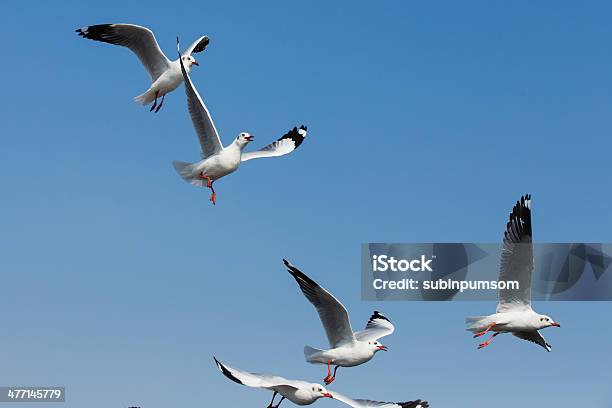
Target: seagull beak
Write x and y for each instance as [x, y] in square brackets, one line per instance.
[195, 63]
[383, 348]
[328, 395]
[250, 138]
[555, 324]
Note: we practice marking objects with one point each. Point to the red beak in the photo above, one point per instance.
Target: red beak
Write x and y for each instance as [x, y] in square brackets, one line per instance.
[383, 348]
[328, 395]
[195, 62]
[555, 324]
[250, 138]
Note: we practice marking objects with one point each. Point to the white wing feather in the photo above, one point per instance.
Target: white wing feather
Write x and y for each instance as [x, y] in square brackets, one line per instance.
[140, 40]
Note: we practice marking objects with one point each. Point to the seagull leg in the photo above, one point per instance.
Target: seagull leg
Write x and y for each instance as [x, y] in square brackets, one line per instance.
[326, 379]
[209, 184]
[486, 343]
[213, 196]
[161, 103]
[281, 400]
[482, 333]
[272, 402]
[154, 103]
[333, 377]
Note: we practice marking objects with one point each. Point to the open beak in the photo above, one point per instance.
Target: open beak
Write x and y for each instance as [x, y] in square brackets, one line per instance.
[328, 395]
[555, 324]
[250, 138]
[383, 348]
[195, 63]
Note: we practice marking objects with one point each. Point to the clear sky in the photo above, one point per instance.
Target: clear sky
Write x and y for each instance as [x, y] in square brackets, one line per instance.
[427, 120]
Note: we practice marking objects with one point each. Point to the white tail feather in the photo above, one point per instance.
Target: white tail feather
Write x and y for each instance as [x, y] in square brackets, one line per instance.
[145, 98]
[477, 323]
[312, 354]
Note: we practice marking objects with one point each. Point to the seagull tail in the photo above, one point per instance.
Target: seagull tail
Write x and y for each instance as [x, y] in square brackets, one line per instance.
[312, 354]
[184, 170]
[145, 98]
[477, 323]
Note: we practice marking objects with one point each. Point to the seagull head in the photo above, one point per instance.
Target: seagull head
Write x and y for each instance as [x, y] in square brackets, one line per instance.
[546, 321]
[244, 138]
[319, 391]
[188, 61]
[376, 346]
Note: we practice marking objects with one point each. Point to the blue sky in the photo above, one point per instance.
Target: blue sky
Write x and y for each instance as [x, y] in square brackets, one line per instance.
[426, 122]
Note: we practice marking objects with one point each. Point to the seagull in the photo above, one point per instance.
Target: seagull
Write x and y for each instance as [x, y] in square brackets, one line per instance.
[514, 313]
[302, 392]
[347, 349]
[165, 74]
[218, 161]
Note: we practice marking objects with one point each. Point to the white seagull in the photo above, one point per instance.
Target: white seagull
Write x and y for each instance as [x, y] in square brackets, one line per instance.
[514, 313]
[302, 392]
[165, 74]
[218, 161]
[347, 349]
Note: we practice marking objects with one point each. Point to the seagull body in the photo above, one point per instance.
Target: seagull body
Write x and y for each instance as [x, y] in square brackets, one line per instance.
[166, 75]
[218, 161]
[302, 392]
[347, 348]
[514, 313]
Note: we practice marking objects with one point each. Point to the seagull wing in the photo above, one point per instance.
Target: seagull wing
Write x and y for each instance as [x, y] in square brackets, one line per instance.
[533, 336]
[332, 313]
[202, 122]
[198, 45]
[254, 380]
[517, 258]
[285, 145]
[362, 403]
[378, 326]
[138, 39]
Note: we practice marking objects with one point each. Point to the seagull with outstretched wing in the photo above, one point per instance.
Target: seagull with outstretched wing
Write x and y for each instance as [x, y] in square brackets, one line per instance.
[347, 348]
[514, 313]
[218, 161]
[165, 75]
[302, 392]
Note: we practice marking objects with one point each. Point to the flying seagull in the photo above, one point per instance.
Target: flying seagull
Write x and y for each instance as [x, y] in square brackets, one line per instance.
[302, 392]
[218, 161]
[514, 313]
[165, 74]
[347, 349]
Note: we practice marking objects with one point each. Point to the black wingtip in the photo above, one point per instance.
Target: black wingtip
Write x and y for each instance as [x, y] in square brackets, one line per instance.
[414, 404]
[519, 219]
[226, 372]
[300, 277]
[296, 135]
[378, 315]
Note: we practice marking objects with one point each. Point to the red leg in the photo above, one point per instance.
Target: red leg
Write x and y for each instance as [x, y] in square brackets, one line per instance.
[486, 343]
[333, 377]
[482, 333]
[213, 196]
[160, 104]
[209, 184]
[326, 379]
[154, 103]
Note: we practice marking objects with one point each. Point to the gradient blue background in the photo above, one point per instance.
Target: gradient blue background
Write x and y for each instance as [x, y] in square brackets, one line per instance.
[427, 122]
